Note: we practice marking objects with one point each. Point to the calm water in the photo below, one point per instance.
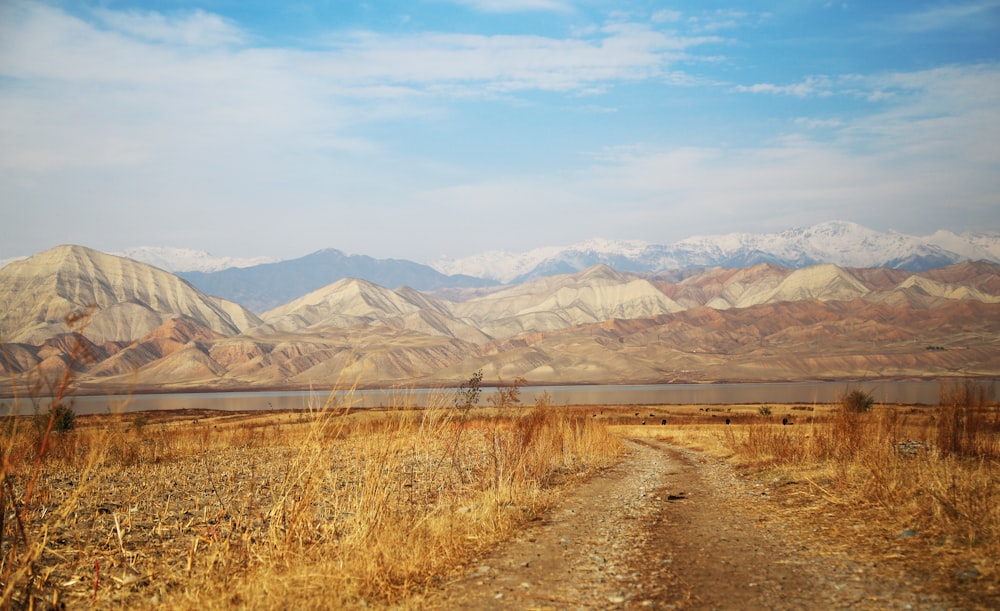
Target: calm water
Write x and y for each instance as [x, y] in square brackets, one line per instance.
[662, 394]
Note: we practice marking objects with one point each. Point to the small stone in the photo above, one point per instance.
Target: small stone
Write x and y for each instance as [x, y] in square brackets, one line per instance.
[908, 533]
[616, 599]
[972, 573]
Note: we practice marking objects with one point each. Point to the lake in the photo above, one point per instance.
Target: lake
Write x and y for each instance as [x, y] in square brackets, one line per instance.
[923, 392]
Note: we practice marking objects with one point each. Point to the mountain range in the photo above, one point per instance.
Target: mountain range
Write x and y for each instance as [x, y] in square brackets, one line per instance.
[260, 284]
[264, 286]
[839, 242]
[148, 329]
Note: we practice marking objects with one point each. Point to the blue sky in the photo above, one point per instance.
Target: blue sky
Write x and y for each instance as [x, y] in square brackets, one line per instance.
[449, 127]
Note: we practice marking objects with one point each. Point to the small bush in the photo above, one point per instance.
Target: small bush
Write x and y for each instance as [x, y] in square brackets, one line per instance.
[764, 410]
[64, 419]
[467, 396]
[967, 423]
[857, 401]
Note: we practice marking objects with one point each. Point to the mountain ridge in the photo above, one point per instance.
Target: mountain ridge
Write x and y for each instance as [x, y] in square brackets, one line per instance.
[152, 330]
[843, 243]
[263, 287]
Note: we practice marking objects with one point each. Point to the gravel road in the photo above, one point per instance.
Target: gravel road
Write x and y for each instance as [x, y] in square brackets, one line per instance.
[668, 528]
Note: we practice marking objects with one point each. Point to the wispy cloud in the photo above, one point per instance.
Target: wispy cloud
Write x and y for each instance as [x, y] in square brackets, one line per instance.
[617, 52]
[195, 28]
[945, 16]
[516, 6]
[814, 86]
[136, 86]
[928, 151]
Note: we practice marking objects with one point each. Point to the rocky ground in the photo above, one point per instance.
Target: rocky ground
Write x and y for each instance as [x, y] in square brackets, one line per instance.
[669, 528]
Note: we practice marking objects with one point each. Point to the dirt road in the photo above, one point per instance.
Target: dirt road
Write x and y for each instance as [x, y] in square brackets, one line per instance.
[667, 528]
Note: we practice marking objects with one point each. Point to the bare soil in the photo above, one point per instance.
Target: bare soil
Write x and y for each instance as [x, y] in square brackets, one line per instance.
[670, 528]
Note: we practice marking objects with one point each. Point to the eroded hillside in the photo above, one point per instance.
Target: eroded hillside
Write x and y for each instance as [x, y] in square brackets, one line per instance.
[148, 329]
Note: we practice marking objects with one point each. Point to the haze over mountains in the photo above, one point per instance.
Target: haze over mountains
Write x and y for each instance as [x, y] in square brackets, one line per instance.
[150, 329]
[263, 286]
[839, 242]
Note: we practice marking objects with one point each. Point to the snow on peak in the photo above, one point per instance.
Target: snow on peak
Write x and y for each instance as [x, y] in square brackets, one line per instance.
[187, 259]
[842, 243]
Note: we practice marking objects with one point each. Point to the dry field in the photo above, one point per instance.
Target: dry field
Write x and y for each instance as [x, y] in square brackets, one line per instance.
[322, 507]
[332, 508]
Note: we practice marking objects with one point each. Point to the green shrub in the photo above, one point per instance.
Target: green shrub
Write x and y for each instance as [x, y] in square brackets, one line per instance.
[64, 419]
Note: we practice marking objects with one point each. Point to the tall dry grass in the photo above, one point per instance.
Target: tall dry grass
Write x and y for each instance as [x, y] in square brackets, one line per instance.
[325, 508]
[939, 472]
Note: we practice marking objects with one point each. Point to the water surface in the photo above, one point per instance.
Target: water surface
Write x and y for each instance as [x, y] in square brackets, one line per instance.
[924, 392]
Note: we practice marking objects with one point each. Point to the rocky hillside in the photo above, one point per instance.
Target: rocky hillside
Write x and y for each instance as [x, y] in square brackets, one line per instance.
[127, 299]
[151, 330]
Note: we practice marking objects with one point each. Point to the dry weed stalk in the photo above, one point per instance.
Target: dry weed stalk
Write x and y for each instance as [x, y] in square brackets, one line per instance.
[325, 507]
[941, 477]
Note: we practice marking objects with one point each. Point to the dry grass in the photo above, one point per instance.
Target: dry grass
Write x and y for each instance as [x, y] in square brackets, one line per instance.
[931, 471]
[319, 508]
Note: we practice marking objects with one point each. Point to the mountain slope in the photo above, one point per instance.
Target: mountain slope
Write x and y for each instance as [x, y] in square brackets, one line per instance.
[555, 302]
[264, 287]
[353, 302]
[129, 299]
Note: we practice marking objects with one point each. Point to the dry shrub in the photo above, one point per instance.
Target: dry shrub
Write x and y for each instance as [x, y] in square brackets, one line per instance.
[968, 423]
[327, 509]
[767, 444]
[944, 478]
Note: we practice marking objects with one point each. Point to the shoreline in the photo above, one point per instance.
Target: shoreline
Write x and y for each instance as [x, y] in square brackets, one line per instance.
[89, 390]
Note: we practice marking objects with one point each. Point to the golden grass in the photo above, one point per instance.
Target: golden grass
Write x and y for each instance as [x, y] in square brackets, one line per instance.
[319, 508]
[934, 471]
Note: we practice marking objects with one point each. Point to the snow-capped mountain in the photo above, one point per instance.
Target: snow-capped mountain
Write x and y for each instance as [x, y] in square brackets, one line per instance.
[187, 259]
[839, 242]
[508, 267]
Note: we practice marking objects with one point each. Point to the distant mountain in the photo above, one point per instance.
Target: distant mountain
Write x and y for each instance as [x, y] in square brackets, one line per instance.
[353, 302]
[153, 331]
[187, 259]
[594, 295]
[841, 243]
[264, 287]
[129, 299]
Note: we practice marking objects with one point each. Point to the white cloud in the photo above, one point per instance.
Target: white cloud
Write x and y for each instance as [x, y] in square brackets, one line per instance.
[197, 28]
[813, 123]
[944, 16]
[667, 16]
[926, 159]
[516, 6]
[619, 52]
[813, 86]
[141, 87]
[931, 148]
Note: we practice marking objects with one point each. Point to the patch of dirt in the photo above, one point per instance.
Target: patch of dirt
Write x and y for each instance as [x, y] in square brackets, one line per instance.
[669, 528]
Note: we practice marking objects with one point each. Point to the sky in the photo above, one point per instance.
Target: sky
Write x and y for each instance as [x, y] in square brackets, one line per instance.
[431, 128]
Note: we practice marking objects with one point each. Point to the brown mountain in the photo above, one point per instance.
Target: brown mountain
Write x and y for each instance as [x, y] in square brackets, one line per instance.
[150, 330]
